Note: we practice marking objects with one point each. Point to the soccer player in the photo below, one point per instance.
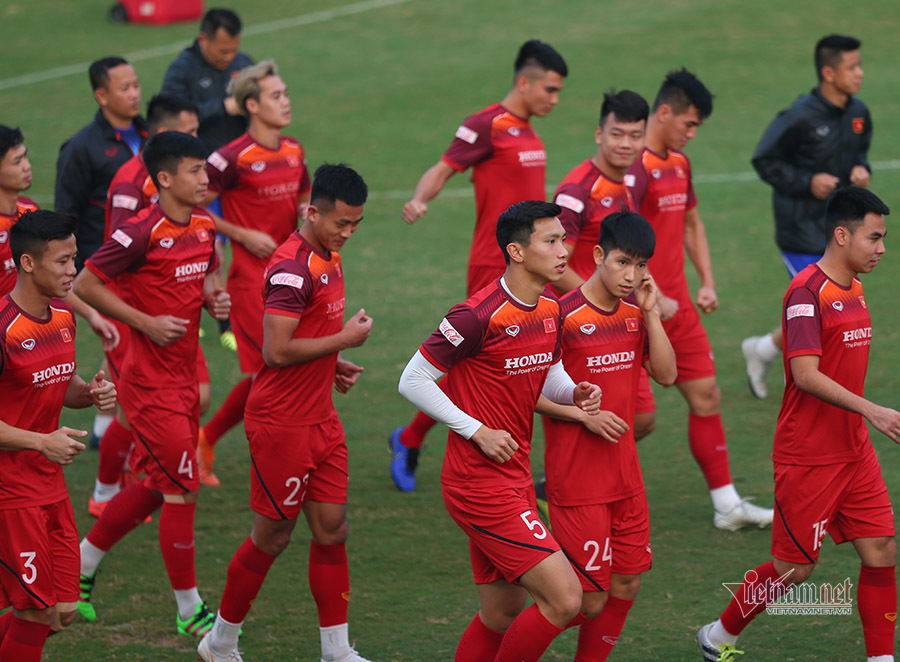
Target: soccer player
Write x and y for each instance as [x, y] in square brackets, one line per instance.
[131, 191]
[664, 194]
[598, 505]
[297, 444]
[508, 161]
[38, 537]
[166, 253]
[827, 476]
[818, 144]
[262, 181]
[15, 177]
[500, 350]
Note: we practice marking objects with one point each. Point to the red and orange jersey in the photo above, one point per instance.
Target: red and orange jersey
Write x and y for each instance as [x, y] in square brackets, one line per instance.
[606, 348]
[824, 319]
[130, 191]
[663, 191]
[302, 283]
[587, 196]
[496, 352]
[164, 264]
[37, 361]
[508, 162]
[8, 272]
[260, 189]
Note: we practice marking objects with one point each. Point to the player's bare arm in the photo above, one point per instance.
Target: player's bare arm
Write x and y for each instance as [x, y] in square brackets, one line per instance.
[280, 349]
[860, 176]
[346, 374]
[697, 248]
[257, 242]
[604, 423]
[430, 184]
[808, 378]
[498, 445]
[161, 329]
[109, 334]
[58, 446]
[218, 301]
[587, 397]
[99, 392]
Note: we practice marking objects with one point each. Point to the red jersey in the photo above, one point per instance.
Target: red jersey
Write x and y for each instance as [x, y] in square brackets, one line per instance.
[307, 285]
[607, 349]
[130, 191]
[37, 360]
[496, 352]
[824, 319]
[587, 196]
[260, 189]
[166, 263]
[508, 161]
[663, 191]
[8, 272]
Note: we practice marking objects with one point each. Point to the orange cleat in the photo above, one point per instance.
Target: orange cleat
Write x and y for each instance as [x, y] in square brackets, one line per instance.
[96, 508]
[206, 455]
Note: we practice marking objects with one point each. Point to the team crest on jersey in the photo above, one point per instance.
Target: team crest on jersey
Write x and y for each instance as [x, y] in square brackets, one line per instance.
[3, 237]
[512, 330]
[453, 336]
[203, 235]
[607, 201]
[324, 279]
[862, 302]
[631, 324]
[587, 329]
[656, 173]
[293, 161]
[549, 325]
[66, 335]
[514, 131]
[166, 242]
[679, 172]
[28, 344]
[112, 151]
[837, 305]
[258, 166]
[859, 123]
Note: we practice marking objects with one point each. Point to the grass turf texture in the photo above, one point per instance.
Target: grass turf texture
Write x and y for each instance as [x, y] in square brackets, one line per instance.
[384, 90]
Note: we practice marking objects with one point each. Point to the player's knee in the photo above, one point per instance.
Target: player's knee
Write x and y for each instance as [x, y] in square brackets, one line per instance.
[275, 542]
[568, 604]
[328, 533]
[625, 587]
[644, 424]
[796, 573]
[592, 603]
[707, 401]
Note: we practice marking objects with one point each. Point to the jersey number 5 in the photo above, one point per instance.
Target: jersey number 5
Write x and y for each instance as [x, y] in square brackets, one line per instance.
[534, 524]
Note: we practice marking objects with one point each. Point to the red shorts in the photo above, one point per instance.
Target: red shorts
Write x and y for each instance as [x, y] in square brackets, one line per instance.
[479, 277]
[115, 358]
[39, 556]
[506, 536]
[693, 355]
[202, 367]
[848, 501]
[165, 423]
[247, 323]
[293, 464]
[644, 403]
[605, 538]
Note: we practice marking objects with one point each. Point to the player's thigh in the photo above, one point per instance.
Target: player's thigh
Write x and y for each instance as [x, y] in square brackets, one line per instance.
[247, 323]
[585, 533]
[64, 539]
[866, 511]
[693, 354]
[631, 550]
[555, 588]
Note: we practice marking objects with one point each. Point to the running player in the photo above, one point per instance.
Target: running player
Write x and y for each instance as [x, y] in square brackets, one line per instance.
[38, 537]
[297, 444]
[664, 194]
[508, 161]
[598, 505]
[166, 254]
[827, 476]
[500, 350]
[262, 181]
[15, 177]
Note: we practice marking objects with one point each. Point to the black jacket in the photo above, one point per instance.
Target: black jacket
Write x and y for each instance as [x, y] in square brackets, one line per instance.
[811, 136]
[86, 165]
[190, 77]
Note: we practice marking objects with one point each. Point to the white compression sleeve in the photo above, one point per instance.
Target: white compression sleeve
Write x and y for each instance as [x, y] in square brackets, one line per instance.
[558, 386]
[417, 384]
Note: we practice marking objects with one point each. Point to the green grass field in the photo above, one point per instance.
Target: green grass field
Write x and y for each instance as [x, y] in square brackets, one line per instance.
[384, 88]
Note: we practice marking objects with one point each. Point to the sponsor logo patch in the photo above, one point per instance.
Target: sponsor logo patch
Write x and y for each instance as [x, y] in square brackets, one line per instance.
[122, 238]
[801, 310]
[121, 201]
[166, 242]
[28, 344]
[823, 130]
[324, 279]
[453, 336]
[837, 305]
[217, 161]
[205, 82]
[111, 151]
[258, 166]
[512, 331]
[587, 329]
[656, 173]
[3, 237]
[570, 202]
[466, 134]
[514, 131]
[629, 181]
[290, 280]
[607, 201]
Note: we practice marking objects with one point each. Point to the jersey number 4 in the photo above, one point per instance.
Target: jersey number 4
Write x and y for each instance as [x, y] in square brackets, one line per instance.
[606, 558]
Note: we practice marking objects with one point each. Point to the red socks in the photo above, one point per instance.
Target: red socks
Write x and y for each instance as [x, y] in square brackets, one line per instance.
[113, 452]
[124, 512]
[230, 413]
[478, 643]
[413, 435]
[750, 599]
[876, 598]
[176, 540]
[598, 636]
[329, 581]
[527, 637]
[24, 641]
[709, 448]
[246, 574]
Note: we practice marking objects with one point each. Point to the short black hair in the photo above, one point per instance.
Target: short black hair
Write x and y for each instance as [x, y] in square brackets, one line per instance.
[165, 151]
[9, 138]
[535, 53]
[680, 90]
[99, 70]
[333, 182]
[516, 224]
[165, 108]
[847, 207]
[35, 230]
[628, 231]
[220, 18]
[626, 105]
[830, 50]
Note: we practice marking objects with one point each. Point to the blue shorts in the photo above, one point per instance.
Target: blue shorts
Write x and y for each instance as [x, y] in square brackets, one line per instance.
[797, 262]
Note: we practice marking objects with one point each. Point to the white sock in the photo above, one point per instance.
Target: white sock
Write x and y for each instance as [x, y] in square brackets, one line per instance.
[335, 641]
[224, 635]
[880, 658]
[105, 491]
[767, 349]
[718, 635]
[101, 422]
[725, 498]
[91, 555]
[187, 602]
